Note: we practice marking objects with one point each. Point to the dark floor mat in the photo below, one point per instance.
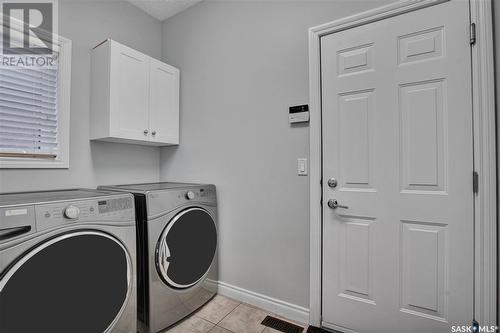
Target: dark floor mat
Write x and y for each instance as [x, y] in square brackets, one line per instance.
[281, 325]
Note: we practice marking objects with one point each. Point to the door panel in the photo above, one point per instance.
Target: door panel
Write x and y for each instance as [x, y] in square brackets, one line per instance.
[422, 273]
[421, 45]
[355, 59]
[397, 135]
[422, 136]
[354, 145]
[356, 265]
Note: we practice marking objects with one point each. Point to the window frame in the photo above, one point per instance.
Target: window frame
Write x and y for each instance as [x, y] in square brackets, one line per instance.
[63, 117]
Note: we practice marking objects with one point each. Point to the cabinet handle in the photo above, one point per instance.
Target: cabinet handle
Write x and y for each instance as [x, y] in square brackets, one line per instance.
[154, 132]
[146, 132]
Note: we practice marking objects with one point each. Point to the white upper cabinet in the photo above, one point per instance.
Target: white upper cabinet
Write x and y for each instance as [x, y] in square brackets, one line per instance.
[129, 92]
[163, 102]
[135, 98]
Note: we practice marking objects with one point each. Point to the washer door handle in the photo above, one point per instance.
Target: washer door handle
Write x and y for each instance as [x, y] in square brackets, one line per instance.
[163, 257]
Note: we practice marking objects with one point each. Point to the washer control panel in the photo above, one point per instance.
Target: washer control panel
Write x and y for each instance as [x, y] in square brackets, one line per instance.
[111, 206]
[118, 209]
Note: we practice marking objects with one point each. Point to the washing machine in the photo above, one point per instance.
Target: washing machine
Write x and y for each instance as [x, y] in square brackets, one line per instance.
[67, 262]
[177, 250]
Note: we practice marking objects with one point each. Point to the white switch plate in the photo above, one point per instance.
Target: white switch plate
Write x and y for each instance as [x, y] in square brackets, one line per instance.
[302, 166]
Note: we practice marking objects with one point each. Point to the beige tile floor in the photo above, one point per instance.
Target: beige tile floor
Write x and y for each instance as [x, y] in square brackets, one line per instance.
[225, 315]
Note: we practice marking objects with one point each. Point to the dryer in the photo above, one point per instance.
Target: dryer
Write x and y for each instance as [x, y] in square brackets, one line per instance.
[177, 251]
[67, 262]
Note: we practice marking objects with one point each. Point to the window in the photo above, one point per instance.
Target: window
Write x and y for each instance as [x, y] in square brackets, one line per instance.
[34, 110]
[28, 113]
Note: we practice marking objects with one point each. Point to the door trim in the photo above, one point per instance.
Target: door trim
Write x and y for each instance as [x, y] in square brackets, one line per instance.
[484, 136]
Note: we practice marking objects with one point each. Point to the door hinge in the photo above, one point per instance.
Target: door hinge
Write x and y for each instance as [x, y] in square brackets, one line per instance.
[472, 33]
[475, 182]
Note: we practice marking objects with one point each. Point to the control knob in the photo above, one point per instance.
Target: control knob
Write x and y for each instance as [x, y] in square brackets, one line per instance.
[190, 195]
[72, 212]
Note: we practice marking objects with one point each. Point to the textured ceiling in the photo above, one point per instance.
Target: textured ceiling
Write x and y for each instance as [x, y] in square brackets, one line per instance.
[163, 9]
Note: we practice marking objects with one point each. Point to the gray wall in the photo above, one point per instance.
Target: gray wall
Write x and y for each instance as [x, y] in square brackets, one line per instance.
[86, 23]
[242, 64]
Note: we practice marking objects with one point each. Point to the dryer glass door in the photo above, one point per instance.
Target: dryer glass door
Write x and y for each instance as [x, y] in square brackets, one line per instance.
[186, 248]
[76, 282]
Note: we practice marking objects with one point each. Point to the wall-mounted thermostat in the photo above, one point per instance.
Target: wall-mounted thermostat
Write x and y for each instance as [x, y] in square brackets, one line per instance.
[298, 114]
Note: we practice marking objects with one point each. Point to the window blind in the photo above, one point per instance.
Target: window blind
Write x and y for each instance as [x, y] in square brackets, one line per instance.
[28, 112]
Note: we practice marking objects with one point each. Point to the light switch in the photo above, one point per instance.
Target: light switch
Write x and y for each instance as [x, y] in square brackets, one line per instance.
[302, 166]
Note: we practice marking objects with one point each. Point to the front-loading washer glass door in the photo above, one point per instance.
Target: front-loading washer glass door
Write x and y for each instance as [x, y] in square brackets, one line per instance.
[75, 282]
[186, 248]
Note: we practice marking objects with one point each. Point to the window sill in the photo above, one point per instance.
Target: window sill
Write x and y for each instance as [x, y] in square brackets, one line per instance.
[32, 163]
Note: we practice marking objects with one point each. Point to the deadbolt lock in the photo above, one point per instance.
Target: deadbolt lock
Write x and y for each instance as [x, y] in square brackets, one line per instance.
[332, 182]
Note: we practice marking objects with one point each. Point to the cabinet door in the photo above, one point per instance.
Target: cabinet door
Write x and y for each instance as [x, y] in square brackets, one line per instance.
[164, 103]
[129, 93]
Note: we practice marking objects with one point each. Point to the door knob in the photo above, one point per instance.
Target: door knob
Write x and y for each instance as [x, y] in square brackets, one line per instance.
[154, 132]
[333, 203]
[332, 182]
[146, 132]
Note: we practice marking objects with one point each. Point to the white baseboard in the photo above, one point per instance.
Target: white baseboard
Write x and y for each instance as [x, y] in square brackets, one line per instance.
[273, 305]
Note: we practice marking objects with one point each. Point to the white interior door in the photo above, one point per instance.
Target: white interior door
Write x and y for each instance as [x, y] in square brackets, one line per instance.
[397, 137]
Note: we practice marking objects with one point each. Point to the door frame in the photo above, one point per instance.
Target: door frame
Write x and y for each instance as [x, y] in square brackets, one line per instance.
[484, 136]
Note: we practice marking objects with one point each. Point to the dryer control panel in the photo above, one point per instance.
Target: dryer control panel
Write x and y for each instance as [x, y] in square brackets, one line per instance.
[160, 202]
[115, 210]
